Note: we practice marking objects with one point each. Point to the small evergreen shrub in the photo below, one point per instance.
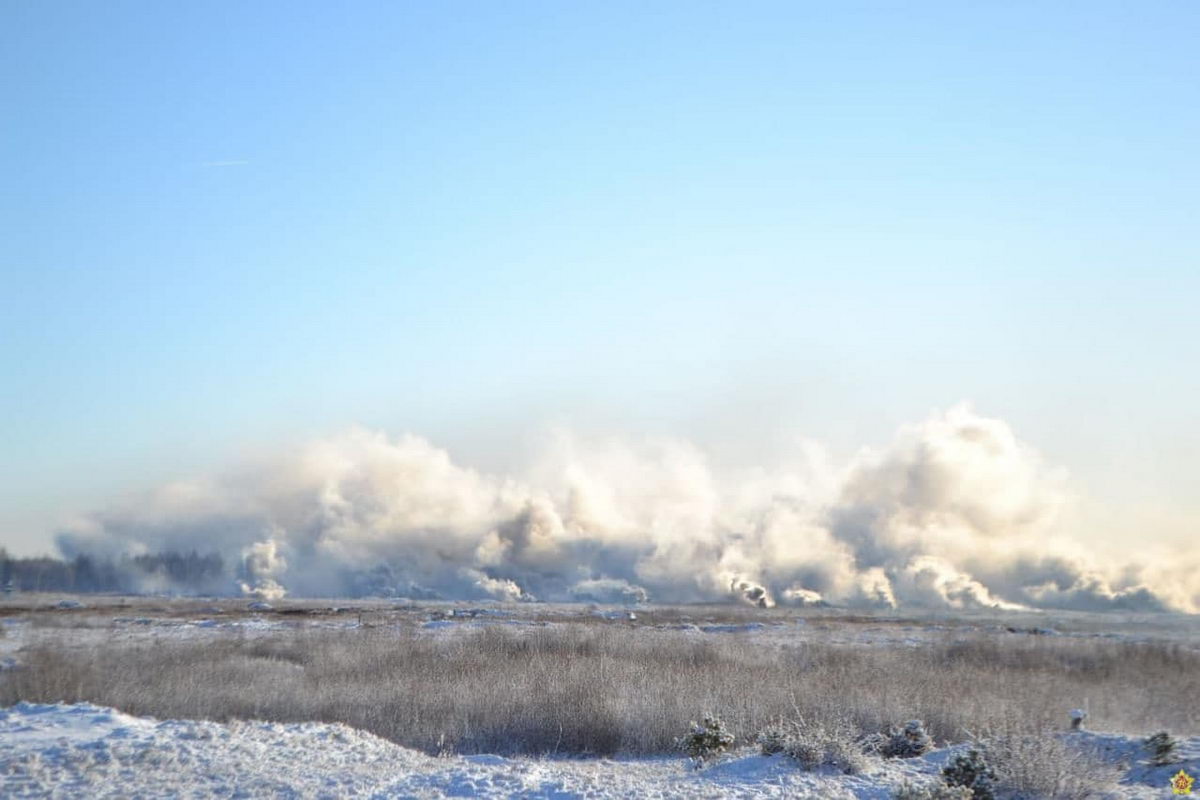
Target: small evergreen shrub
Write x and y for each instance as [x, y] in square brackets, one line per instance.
[805, 751]
[772, 741]
[1162, 749]
[910, 741]
[971, 770]
[706, 740]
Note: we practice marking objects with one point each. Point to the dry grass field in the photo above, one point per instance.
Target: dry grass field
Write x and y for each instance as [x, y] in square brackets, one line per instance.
[545, 682]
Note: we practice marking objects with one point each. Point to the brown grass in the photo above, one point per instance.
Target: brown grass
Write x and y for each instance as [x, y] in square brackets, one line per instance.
[1046, 764]
[606, 689]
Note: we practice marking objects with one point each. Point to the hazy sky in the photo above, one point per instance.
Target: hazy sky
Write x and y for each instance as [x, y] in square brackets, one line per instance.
[229, 226]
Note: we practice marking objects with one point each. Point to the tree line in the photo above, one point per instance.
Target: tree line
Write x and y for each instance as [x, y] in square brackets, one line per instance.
[175, 571]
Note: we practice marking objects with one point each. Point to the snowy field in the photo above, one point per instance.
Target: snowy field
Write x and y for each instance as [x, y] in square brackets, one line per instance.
[65, 746]
[84, 750]
[33, 617]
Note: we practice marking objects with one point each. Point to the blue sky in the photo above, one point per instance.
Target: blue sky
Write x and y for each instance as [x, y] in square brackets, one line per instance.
[228, 226]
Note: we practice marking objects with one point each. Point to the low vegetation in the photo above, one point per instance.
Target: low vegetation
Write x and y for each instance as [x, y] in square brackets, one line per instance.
[1162, 747]
[706, 740]
[932, 790]
[1046, 764]
[1043, 765]
[833, 745]
[910, 741]
[971, 771]
[608, 688]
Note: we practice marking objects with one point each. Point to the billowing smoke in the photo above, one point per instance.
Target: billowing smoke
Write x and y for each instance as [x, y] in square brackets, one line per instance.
[261, 561]
[956, 512]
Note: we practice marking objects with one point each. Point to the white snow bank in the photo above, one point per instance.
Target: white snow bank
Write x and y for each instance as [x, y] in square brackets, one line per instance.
[89, 751]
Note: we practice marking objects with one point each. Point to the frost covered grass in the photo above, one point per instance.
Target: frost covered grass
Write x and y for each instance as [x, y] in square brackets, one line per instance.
[1045, 764]
[603, 689]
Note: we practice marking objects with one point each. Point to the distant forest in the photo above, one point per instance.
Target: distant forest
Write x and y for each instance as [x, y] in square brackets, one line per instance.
[177, 572]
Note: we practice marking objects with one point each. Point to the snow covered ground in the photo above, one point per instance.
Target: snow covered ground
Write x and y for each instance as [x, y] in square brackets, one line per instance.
[85, 621]
[83, 750]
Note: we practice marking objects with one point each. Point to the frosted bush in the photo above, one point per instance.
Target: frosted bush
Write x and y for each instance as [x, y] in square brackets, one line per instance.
[814, 746]
[773, 741]
[846, 755]
[706, 740]
[971, 771]
[910, 741]
[932, 791]
[805, 750]
[1048, 765]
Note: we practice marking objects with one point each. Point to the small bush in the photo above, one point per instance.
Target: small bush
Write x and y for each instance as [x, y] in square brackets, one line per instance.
[597, 688]
[846, 755]
[815, 746]
[806, 751]
[772, 741]
[970, 770]
[911, 741]
[1162, 749]
[1048, 765]
[931, 791]
[706, 740]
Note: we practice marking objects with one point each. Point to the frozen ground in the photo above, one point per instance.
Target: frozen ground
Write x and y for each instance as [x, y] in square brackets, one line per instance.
[83, 750]
[86, 620]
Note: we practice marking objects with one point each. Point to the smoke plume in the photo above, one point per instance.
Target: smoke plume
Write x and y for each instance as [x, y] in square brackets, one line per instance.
[955, 512]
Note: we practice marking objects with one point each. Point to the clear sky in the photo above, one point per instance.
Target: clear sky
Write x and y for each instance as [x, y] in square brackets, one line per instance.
[226, 226]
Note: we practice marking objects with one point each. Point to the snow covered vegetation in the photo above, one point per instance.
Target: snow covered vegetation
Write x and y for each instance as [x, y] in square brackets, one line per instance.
[83, 750]
[537, 700]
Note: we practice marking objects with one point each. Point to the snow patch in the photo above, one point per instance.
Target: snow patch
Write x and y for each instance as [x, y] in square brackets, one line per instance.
[84, 750]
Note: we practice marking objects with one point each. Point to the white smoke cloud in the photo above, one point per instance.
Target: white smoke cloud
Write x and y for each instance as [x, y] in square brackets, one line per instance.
[609, 590]
[261, 562]
[955, 512]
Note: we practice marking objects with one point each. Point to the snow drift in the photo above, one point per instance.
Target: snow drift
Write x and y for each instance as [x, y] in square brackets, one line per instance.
[51, 751]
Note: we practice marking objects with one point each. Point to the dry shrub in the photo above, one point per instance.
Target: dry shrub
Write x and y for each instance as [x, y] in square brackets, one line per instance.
[933, 790]
[602, 689]
[910, 741]
[818, 743]
[1048, 765]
